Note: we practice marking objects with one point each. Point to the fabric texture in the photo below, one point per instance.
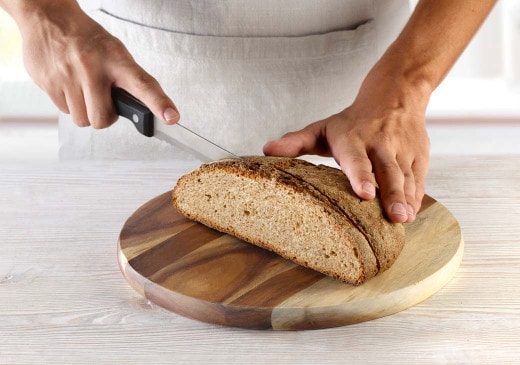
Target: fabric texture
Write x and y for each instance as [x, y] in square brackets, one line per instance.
[241, 72]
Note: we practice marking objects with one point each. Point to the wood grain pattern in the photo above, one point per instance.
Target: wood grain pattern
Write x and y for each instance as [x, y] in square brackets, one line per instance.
[204, 274]
[64, 300]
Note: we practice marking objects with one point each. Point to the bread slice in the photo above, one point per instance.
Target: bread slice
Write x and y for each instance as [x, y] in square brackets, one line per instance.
[306, 213]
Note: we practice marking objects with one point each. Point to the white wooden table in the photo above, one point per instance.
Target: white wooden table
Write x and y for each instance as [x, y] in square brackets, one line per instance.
[63, 299]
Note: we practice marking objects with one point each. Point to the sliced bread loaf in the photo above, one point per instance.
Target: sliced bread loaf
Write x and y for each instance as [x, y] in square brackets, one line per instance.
[303, 212]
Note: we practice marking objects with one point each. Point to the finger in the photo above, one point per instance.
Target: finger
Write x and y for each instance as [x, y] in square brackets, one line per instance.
[147, 89]
[420, 169]
[76, 105]
[58, 98]
[302, 142]
[100, 109]
[390, 179]
[409, 193]
[354, 162]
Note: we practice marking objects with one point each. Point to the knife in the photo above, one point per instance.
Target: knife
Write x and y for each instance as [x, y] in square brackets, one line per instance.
[129, 107]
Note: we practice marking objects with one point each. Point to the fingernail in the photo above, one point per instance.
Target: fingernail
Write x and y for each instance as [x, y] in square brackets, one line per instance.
[399, 209]
[369, 188]
[171, 115]
[410, 210]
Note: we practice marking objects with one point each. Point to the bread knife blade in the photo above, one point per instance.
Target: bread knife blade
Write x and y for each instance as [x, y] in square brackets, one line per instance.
[129, 107]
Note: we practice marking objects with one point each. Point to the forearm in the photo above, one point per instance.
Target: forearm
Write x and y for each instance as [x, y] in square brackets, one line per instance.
[20, 8]
[77, 62]
[434, 38]
[28, 13]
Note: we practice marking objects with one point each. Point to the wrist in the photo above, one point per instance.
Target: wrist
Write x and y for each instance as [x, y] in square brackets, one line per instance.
[391, 84]
[419, 68]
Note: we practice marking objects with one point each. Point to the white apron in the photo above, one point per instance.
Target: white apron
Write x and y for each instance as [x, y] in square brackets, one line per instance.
[241, 72]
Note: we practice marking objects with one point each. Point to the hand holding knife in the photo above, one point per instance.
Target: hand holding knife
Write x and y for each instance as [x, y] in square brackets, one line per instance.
[148, 125]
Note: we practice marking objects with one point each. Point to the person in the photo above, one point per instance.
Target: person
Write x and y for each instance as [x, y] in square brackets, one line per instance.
[378, 137]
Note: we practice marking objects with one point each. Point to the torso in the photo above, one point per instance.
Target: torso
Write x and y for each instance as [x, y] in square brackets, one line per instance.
[241, 72]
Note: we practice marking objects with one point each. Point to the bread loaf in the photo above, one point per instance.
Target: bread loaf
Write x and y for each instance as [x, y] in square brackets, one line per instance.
[306, 213]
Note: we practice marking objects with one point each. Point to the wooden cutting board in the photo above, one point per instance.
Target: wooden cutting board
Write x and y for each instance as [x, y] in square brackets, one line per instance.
[200, 273]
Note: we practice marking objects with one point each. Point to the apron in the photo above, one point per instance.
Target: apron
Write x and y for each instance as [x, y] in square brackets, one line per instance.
[241, 72]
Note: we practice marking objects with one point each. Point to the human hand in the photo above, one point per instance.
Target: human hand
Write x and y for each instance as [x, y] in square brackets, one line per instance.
[380, 140]
[77, 62]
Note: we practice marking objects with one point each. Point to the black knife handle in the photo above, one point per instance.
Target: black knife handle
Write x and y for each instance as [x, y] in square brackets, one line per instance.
[133, 109]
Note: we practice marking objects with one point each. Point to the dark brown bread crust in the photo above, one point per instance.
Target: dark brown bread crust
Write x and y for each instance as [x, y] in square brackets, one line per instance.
[377, 242]
[386, 239]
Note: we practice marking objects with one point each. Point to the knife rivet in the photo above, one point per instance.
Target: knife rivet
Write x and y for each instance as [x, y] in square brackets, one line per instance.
[135, 118]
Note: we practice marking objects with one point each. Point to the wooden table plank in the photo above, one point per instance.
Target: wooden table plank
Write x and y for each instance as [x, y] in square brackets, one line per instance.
[63, 299]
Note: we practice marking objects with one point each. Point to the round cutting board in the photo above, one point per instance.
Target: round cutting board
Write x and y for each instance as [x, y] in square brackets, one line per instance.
[207, 275]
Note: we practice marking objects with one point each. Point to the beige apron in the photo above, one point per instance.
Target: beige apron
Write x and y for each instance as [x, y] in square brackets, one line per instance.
[241, 72]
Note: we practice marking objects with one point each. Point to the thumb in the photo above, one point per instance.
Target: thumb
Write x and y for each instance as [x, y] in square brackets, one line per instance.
[294, 144]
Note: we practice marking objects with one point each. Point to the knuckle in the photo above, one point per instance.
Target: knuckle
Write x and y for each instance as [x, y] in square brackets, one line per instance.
[96, 124]
[114, 48]
[82, 59]
[144, 81]
[392, 194]
[419, 193]
[351, 137]
[409, 194]
[410, 198]
[358, 168]
[420, 167]
[384, 138]
[102, 119]
[80, 119]
[98, 47]
[48, 85]
[289, 134]
[387, 168]
[63, 108]
[408, 175]
[392, 188]
[160, 100]
[60, 103]
[427, 145]
[359, 161]
[63, 70]
[81, 122]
